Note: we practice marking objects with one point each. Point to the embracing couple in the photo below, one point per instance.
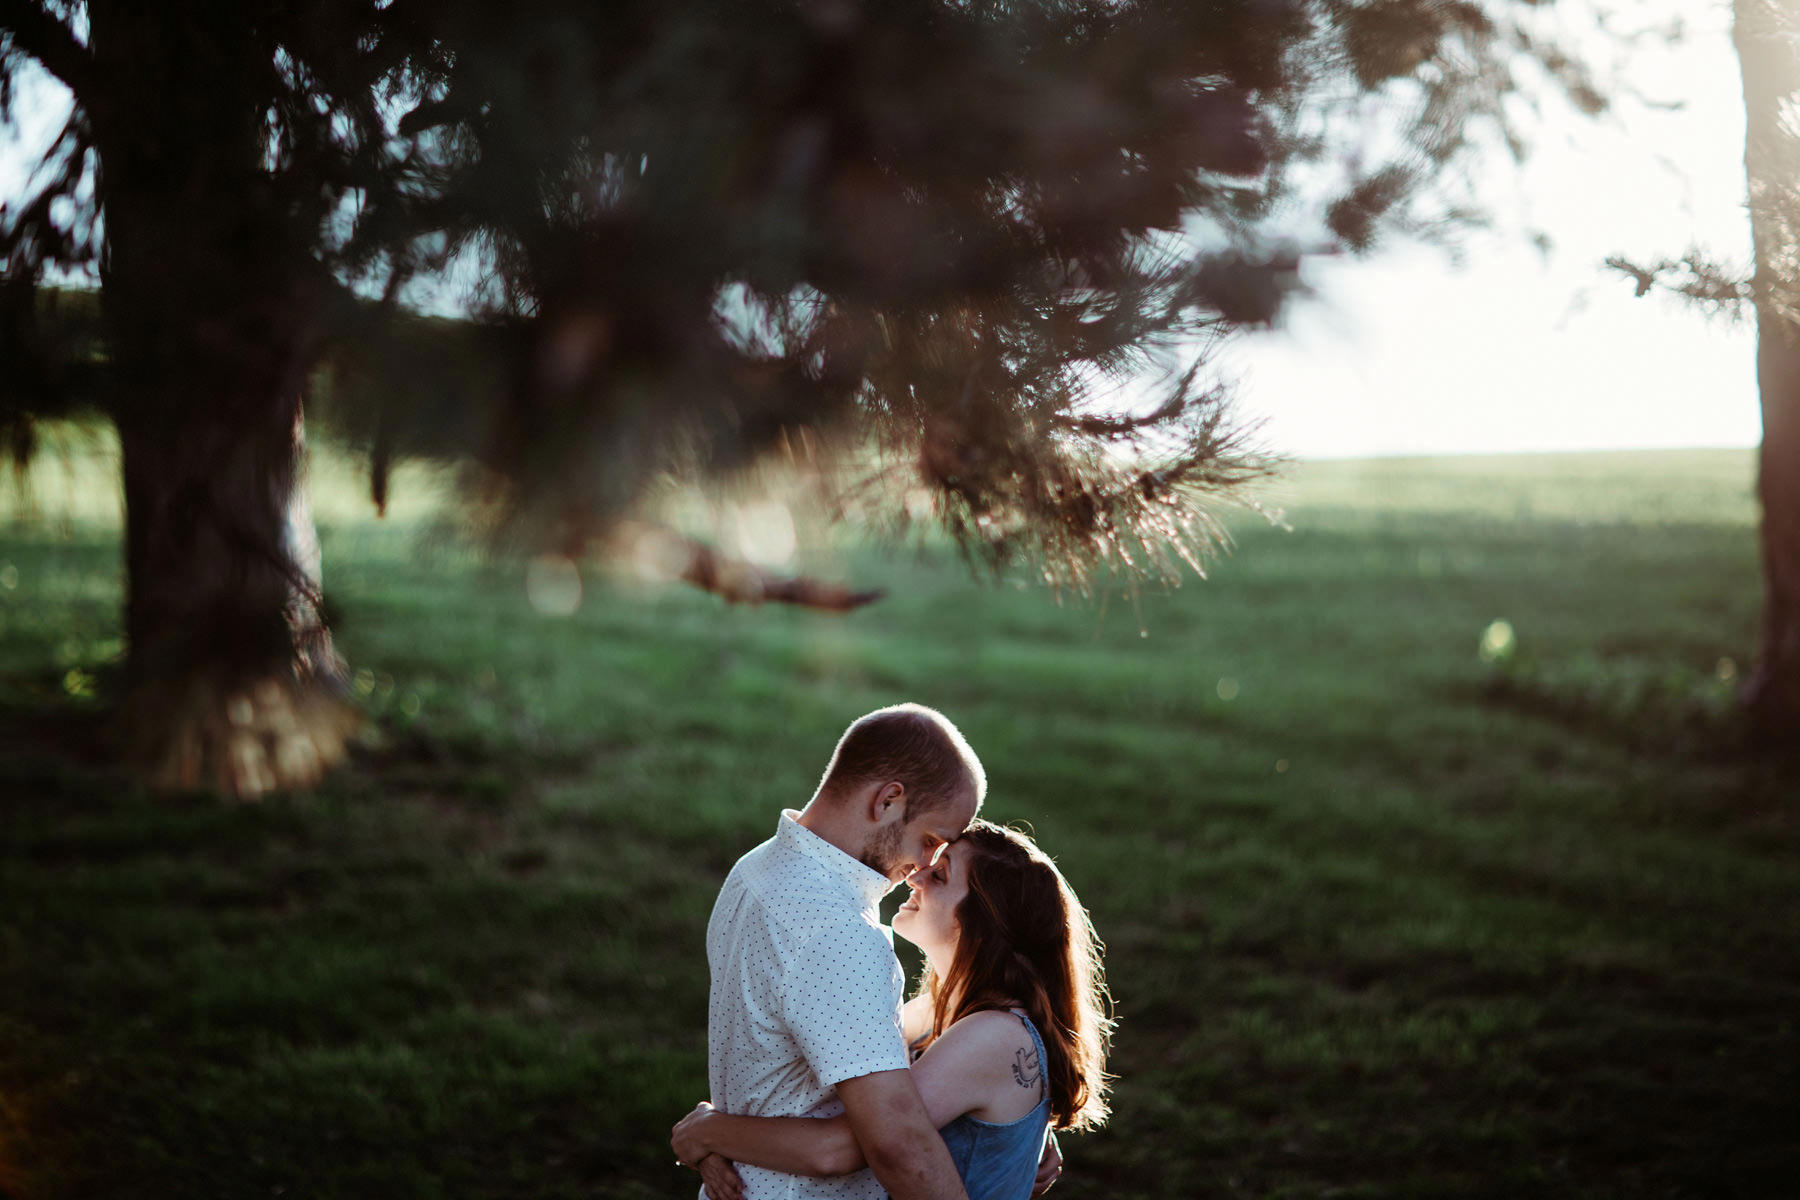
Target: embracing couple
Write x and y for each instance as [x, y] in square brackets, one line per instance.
[824, 1084]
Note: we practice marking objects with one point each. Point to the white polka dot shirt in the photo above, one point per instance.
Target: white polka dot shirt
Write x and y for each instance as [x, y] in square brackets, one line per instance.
[806, 993]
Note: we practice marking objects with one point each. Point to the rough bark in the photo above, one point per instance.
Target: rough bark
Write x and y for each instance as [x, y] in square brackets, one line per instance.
[1764, 35]
[211, 305]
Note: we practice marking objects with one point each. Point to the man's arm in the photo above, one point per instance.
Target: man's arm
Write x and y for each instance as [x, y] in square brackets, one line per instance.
[813, 1146]
[962, 1071]
[1049, 1166]
[897, 1137]
[791, 1145]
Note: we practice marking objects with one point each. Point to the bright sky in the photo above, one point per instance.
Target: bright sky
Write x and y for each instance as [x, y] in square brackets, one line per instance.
[1405, 353]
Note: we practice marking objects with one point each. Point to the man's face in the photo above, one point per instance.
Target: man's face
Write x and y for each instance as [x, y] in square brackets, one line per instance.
[899, 847]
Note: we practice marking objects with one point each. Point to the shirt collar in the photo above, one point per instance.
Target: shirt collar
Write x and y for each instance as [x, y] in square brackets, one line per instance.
[866, 883]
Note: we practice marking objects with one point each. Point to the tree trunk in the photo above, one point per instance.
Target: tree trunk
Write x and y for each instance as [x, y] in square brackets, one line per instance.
[1765, 35]
[211, 301]
[1772, 694]
[232, 679]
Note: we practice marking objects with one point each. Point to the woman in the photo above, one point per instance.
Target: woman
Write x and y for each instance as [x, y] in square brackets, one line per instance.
[1009, 1028]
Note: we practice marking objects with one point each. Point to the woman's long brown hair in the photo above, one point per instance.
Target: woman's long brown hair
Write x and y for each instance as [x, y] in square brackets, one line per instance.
[1024, 938]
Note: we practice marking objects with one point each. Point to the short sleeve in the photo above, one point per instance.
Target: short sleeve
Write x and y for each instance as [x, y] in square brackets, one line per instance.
[840, 1000]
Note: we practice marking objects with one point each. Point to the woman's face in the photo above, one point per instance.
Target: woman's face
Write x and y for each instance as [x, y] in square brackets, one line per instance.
[928, 918]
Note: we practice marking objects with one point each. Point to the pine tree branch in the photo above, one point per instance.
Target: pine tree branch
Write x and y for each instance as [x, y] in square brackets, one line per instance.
[1120, 426]
[433, 113]
[32, 30]
[1694, 277]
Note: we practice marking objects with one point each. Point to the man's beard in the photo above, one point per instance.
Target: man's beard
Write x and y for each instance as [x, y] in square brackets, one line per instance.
[881, 851]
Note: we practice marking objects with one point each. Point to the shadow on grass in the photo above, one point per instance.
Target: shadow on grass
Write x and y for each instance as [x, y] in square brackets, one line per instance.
[1650, 705]
[400, 984]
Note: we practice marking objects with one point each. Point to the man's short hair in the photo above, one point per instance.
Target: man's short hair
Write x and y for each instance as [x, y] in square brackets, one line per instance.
[910, 744]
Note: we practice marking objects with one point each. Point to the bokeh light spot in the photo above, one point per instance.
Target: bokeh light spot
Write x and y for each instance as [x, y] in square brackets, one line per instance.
[9, 576]
[1281, 766]
[765, 533]
[553, 585]
[1726, 670]
[1228, 689]
[1498, 642]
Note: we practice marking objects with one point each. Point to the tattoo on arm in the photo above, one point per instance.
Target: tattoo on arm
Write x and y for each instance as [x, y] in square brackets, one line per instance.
[1027, 1070]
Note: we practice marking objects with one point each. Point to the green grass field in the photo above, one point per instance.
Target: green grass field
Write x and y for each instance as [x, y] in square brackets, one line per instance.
[1384, 917]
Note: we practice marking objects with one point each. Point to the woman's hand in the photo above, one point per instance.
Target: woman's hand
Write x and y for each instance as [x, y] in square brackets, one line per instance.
[721, 1178]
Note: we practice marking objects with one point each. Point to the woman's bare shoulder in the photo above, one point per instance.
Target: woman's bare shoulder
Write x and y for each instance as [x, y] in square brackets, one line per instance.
[995, 1053]
[992, 1032]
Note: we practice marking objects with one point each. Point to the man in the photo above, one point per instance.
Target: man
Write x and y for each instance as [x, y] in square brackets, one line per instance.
[804, 1016]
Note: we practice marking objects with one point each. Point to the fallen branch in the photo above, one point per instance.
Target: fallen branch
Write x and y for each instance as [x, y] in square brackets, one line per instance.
[663, 553]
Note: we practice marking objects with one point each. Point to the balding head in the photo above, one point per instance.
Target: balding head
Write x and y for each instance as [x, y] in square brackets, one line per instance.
[908, 744]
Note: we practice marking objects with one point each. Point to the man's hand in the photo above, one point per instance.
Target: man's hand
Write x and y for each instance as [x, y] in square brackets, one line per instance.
[716, 1172]
[1049, 1166]
[721, 1178]
[685, 1138]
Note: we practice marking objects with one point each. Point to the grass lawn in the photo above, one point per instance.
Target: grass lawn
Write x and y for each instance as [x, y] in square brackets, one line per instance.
[1384, 917]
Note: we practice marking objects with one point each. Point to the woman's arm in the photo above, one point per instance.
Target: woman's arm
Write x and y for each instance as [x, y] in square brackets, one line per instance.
[791, 1145]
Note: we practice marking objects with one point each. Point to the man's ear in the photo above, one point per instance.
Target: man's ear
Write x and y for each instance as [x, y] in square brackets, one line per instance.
[887, 802]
